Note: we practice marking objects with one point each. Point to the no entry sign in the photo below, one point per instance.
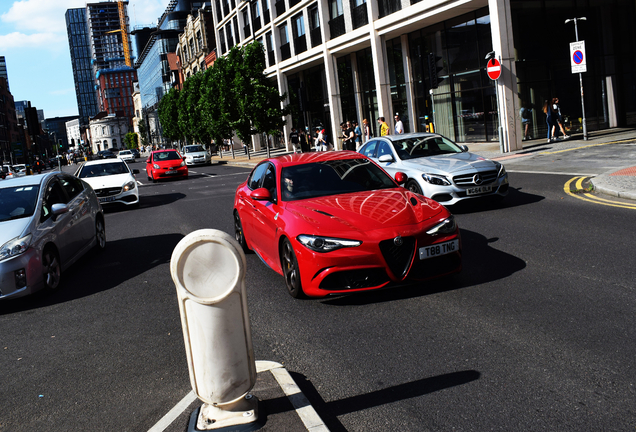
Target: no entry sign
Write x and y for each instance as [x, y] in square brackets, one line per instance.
[578, 60]
[493, 69]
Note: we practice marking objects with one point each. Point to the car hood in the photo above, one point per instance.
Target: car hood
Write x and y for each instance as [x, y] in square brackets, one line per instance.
[115, 180]
[450, 163]
[363, 211]
[12, 229]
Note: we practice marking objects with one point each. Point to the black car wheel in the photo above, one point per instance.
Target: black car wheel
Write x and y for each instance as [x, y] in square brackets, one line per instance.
[239, 235]
[51, 269]
[290, 270]
[100, 233]
[414, 187]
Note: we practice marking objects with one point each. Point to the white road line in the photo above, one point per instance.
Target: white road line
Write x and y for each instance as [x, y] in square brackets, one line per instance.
[551, 173]
[175, 412]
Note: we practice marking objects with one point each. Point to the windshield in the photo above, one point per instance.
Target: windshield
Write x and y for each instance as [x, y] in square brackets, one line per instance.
[193, 148]
[18, 202]
[332, 178]
[162, 156]
[412, 148]
[105, 169]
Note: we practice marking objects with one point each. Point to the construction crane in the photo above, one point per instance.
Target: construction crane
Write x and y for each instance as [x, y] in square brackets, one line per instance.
[123, 29]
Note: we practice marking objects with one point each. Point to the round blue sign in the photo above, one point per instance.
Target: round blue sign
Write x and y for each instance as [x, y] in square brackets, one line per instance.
[577, 57]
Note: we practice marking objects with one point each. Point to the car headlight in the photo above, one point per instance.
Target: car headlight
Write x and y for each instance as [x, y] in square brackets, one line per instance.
[326, 244]
[155, 166]
[447, 226]
[182, 163]
[436, 179]
[15, 247]
[501, 170]
[129, 186]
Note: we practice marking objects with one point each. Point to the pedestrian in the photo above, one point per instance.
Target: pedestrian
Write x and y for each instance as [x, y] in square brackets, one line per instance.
[550, 118]
[384, 128]
[293, 138]
[526, 120]
[358, 132]
[348, 136]
[324, 140]
[399, 126]
[366, 130]
[560, 117]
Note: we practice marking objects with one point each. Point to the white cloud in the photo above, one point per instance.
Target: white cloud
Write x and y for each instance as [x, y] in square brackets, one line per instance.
[40, 15]
[36, 40]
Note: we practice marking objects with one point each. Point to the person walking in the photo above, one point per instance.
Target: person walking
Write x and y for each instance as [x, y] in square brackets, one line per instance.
[358, 132]
[366, 130]
[293, 138]
[384, 128]
[349, 137]
[560, 117]
[526, 120]
[399, 126]
[550, 118]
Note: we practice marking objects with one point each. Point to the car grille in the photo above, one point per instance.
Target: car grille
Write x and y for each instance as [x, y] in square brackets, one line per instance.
[352, 279]
[484, 177]
[398, 257]
[106, 192]
[432, 267]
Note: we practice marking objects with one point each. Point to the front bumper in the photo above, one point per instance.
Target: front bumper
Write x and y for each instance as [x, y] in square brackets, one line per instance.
[109, 196]
[454, 193]
[31, 264]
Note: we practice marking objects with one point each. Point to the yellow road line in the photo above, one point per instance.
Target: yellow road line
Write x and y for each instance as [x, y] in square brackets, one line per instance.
[592, 198]
[587, 146]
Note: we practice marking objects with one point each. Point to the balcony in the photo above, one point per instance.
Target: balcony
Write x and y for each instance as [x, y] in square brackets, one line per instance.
[387, 7]
[337, 27]
[359, 16]
[300, 44]
[285, 51]
[316, 38]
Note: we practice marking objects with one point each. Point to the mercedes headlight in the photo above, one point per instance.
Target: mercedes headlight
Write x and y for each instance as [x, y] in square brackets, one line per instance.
[447, 226]
[436, 179]
[501, 170]
[129, 186]
[15, 247]
[326, 244]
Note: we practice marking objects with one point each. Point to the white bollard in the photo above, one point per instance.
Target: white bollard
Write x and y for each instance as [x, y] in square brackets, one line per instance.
[208, 269]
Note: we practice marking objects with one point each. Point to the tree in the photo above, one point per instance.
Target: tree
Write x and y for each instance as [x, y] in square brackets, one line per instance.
[168, 112]
[143, 132]
[190, 118]
[131, 140]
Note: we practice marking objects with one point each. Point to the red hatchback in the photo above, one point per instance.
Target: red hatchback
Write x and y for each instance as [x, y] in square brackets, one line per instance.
[163, 164]
[335, 223]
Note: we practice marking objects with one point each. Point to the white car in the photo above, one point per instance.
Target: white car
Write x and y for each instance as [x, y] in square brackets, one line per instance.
[438, 168]
[127, 155]
[196, 155]
[9, 172]
[20, 169]
[112, 180]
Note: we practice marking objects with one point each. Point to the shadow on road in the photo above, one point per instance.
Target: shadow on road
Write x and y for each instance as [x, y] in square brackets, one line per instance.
[102, 270]
[515, 198]
[329, 411]
[481, 262]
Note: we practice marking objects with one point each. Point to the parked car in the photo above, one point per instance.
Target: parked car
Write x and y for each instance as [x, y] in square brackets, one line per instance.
[336, 223]
[112, 180]
[20, 169]
[47, 222]
[164, 164]
[136, 153]
[8, 172]
[196, 155]
[105, 154]
[126, 155]
[437, 167]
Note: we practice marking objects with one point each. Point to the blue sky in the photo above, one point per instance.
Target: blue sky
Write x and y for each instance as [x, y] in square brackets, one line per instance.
[34, 43]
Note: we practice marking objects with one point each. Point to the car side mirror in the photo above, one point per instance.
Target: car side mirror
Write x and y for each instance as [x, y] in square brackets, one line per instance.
[184, 158]
[58, 209]
[135, 171]
[386, 158]
[400, 177]
[261, 194]
[464, 147]
[147, 161]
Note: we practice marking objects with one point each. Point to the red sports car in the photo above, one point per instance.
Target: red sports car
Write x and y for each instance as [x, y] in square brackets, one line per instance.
[335, 223]
[163, 164]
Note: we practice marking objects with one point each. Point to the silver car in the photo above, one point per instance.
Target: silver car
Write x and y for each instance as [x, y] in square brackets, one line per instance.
[438, 168]
[47, 222]
[196, 155]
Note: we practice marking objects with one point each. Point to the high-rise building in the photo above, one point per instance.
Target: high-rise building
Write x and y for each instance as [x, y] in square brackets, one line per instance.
[79, 44]
[107, 47]
[3, 71]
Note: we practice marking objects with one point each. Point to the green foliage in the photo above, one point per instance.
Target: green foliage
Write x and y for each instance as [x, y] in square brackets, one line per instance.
[143, 132]
[131, 140]
[168, 112]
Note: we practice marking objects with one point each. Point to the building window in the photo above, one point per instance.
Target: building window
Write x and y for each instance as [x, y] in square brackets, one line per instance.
[199, 41]
[270, 49]
[359, 15]
[247, 31]
[387, 7]
[280, 7]
[314, 26]
[256, 15]
[236, 30]
[300, 43]
[228, 35]
[266, 16]
[337, 23]
[222, 39]
[285, 50]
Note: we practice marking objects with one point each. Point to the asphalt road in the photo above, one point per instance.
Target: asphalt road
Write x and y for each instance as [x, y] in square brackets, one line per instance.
[536, 333]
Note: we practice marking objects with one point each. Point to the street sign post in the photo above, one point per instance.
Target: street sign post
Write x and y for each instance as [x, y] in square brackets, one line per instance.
[493, 69]
[578, 61]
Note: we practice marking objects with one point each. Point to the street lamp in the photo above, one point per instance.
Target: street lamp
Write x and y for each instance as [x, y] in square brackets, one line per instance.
[576, 32]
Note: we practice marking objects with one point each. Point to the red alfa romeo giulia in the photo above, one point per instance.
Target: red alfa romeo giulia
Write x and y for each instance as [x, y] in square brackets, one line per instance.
[335, 223]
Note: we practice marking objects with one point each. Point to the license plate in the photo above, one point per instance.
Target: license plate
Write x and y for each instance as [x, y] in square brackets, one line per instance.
[478, 190]
[107, 199]
[171, 172]
[439, 249]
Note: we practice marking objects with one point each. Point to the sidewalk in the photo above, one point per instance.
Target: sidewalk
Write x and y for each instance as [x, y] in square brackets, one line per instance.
[620, 183]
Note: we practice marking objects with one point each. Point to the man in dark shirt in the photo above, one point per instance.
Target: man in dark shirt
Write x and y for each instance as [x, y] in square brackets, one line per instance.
[293, 137]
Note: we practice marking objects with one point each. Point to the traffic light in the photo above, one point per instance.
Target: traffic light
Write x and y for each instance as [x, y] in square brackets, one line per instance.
[433, 70]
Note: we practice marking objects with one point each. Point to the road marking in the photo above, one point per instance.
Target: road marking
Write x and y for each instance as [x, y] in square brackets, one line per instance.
[552, 173]
[587, 146]
[175, 412]
[592, 198]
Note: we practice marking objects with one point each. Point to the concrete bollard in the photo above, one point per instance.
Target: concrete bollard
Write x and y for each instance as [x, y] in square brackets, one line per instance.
[208, 269]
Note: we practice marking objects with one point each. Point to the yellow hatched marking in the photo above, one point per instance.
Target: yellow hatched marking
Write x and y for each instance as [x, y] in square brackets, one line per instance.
[592, 198]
